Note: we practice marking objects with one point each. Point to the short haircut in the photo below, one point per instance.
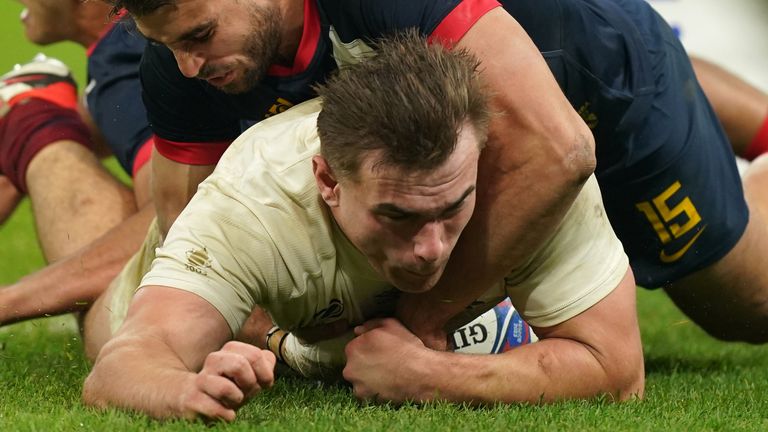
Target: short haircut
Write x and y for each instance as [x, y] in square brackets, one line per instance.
[139, 8]
[409, 100]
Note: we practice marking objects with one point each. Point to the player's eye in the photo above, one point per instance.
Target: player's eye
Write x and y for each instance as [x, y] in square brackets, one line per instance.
[203, 36]
[452, 210]
[395, 216]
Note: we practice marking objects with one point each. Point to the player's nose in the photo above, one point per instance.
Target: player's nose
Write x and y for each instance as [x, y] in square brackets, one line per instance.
[429, 243]
[189, 63]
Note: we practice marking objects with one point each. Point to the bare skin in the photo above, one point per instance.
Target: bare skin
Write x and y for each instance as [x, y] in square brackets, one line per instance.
[560, 153]
[229, 375]
[368, 209]
[9, 198]
[740, 312]
[84, 210]
[741, 107]
[596, 352]
[173, 185]
[733, 291]
[82, 273]
[88, 222]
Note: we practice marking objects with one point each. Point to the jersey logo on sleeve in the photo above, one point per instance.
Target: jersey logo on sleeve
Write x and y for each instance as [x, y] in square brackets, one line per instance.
[280, 105]
[198, 261]
[334, 310]
[672, 223]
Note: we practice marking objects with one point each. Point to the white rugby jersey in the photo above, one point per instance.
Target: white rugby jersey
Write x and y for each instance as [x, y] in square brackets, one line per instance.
[258, 233]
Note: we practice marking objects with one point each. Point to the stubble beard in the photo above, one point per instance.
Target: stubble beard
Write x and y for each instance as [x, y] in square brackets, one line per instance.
[261, 48]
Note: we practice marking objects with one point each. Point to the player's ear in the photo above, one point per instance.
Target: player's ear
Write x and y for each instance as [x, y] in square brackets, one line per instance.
[326, 180]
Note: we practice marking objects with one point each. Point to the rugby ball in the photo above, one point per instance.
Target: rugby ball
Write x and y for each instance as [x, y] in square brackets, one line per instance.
[498, 330]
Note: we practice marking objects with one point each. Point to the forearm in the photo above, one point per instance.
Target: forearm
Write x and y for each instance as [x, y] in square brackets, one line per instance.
[73, 283]
[162, 361]
[546, 371]
[173, 185]
[123, 377]
[596, 352]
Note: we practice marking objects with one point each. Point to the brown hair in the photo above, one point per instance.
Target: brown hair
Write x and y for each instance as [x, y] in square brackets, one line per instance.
[138, 8]
[409, 99]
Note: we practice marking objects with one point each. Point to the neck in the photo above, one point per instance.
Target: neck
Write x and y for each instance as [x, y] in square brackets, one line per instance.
[91, 18]
[293, 28]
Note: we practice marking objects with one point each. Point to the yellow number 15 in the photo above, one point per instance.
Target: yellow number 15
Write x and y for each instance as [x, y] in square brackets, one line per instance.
[665, 229]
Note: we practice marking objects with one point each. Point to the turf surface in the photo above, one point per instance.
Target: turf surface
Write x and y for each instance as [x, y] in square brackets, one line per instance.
[694, 383]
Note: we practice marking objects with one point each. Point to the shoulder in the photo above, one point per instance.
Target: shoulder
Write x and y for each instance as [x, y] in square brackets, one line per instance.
[373, 19]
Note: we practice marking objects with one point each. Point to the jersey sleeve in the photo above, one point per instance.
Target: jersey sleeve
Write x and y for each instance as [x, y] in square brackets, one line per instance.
[370, 20]
[581, 264]
[189, 124]
[217, 249]
[113, 93]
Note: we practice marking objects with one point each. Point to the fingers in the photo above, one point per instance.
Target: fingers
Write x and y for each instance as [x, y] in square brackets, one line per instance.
[200, 404]
[372, 324]
[235, 373]
[264, 369]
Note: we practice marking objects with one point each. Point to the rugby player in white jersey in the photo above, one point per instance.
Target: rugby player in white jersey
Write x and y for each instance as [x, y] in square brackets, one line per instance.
[324, 214]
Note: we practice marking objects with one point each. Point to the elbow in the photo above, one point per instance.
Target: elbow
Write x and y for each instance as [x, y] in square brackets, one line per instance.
[90, 394]
[579, 161]
[96, 383]
[631, 384]
[627, 376]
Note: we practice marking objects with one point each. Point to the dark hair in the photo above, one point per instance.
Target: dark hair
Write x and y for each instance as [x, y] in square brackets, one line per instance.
[409, 99]
[138, 8]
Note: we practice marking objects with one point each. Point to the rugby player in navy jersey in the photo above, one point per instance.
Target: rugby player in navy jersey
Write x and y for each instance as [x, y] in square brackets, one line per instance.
[610, 66]
[70, 174]
[26, 301]
[621, 70]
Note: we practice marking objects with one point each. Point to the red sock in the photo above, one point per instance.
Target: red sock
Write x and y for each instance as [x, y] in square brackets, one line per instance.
[61, 93]
[759, 143]
[30, 126]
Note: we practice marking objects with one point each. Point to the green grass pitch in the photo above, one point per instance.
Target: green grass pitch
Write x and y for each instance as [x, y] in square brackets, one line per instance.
[694, 383]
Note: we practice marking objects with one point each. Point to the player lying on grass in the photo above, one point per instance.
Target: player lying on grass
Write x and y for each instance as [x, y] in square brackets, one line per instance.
[73, 283]
[624, 99]
[318, 214]
[68, 173]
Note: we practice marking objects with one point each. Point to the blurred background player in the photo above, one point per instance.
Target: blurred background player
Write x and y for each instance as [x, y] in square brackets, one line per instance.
[88, 222]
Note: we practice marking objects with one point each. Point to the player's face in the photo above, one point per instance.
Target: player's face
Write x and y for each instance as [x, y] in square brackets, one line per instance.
[229, 43]
[47, 21]
[407, 222]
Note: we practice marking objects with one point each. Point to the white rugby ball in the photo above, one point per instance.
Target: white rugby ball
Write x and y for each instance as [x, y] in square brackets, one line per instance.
[498, 330]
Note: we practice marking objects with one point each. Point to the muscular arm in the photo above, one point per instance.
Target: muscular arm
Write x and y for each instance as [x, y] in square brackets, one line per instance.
[173, 185]
[538, 156]
[152, 363]
[596, 352]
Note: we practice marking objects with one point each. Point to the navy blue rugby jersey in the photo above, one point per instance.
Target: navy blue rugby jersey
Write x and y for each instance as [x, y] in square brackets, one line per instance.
[596, 50]
[113, 93]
